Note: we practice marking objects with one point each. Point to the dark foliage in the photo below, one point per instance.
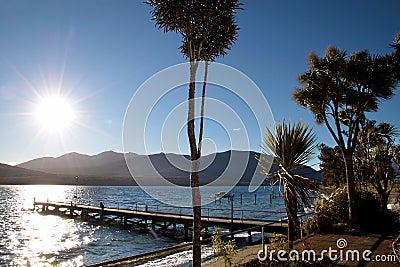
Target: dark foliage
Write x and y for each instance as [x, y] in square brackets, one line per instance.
[208, 27]
[374, 157]
[332, 166]
[331, 215]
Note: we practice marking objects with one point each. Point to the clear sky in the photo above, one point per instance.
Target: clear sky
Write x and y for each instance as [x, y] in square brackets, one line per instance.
[96, 53]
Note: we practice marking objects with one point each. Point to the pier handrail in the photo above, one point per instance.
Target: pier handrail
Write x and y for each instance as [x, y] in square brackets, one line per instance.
[211, 212]
[148, 212]
[145, 208]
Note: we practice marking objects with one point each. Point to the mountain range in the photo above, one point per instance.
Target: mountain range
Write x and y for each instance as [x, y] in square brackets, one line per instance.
[111, 168]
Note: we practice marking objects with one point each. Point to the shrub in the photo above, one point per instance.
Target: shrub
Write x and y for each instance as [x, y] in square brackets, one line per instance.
[226, 250]
[332, 214]
[279, 242]
[310, 226]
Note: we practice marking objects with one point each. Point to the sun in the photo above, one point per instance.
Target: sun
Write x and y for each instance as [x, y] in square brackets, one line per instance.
[54, 113]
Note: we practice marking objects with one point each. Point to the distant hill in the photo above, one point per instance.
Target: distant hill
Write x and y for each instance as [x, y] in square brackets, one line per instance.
[13, 171]
[110, 168]
[13, 175]
[109, 163]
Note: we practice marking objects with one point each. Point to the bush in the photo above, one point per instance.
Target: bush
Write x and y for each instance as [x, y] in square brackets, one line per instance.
[332, 214]
[226, 250]
[310, 226]
[279, 242]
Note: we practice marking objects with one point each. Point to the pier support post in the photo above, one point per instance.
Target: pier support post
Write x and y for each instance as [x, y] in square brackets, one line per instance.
[84, 215]
[250, 239]
[186, 230]
[232, 234]
[263, 240]
[71, 212]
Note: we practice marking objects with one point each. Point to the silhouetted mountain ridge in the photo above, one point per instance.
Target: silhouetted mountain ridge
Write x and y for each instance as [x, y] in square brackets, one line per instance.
[218, 168]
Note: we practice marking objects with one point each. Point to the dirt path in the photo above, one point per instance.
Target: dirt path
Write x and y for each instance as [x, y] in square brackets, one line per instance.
[346, 247]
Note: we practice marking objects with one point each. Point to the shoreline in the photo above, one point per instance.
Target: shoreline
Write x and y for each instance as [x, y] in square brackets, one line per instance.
[177, 256]
[144, 257]
[378, 244]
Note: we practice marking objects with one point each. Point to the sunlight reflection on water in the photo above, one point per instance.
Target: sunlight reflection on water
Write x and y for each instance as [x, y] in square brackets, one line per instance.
[36, 240]
[28, 238]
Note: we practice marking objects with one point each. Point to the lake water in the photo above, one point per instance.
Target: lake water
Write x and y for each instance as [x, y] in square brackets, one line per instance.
[28, 238]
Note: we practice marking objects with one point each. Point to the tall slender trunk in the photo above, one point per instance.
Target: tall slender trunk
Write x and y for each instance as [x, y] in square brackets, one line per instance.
[203, 96]
[196, 200]
[195, 166]
[291, 210]
[194, 175]
[351, 188]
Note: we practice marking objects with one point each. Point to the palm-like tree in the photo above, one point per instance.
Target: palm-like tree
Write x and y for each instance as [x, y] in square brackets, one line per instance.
[339, 90]
[292, 146]
[208, 29]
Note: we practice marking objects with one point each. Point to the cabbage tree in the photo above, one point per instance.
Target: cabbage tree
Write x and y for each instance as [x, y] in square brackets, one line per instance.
[292, 146]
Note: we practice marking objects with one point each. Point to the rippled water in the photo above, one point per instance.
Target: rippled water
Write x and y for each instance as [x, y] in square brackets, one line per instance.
[28, 238]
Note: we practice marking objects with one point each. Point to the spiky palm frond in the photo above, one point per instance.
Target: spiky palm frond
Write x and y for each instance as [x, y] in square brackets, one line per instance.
[292, 146]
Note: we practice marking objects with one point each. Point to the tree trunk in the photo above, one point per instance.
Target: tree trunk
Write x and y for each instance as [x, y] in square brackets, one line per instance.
[385, 200]
[383, 183]
[196, 197]
[383, 194]
[203, 96]
[194, 175]
[291, 210]
[351, 188]
[196, 202]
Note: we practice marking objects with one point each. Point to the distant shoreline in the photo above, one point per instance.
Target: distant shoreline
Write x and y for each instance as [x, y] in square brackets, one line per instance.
[112, 184]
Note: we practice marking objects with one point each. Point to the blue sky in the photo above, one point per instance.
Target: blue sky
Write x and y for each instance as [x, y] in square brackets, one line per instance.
[97, 53]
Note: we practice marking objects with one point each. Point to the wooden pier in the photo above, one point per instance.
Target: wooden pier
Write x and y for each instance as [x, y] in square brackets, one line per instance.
[157, 221]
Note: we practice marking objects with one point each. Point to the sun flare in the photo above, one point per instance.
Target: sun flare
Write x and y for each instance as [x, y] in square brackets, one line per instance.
[54, 113]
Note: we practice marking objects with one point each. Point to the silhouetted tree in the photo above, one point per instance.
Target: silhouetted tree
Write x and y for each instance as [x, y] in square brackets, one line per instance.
[374, 155]
[339, 89]
[208, 29]
[396, 156]
[396, 55]
[292, 146]
[332, 166]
